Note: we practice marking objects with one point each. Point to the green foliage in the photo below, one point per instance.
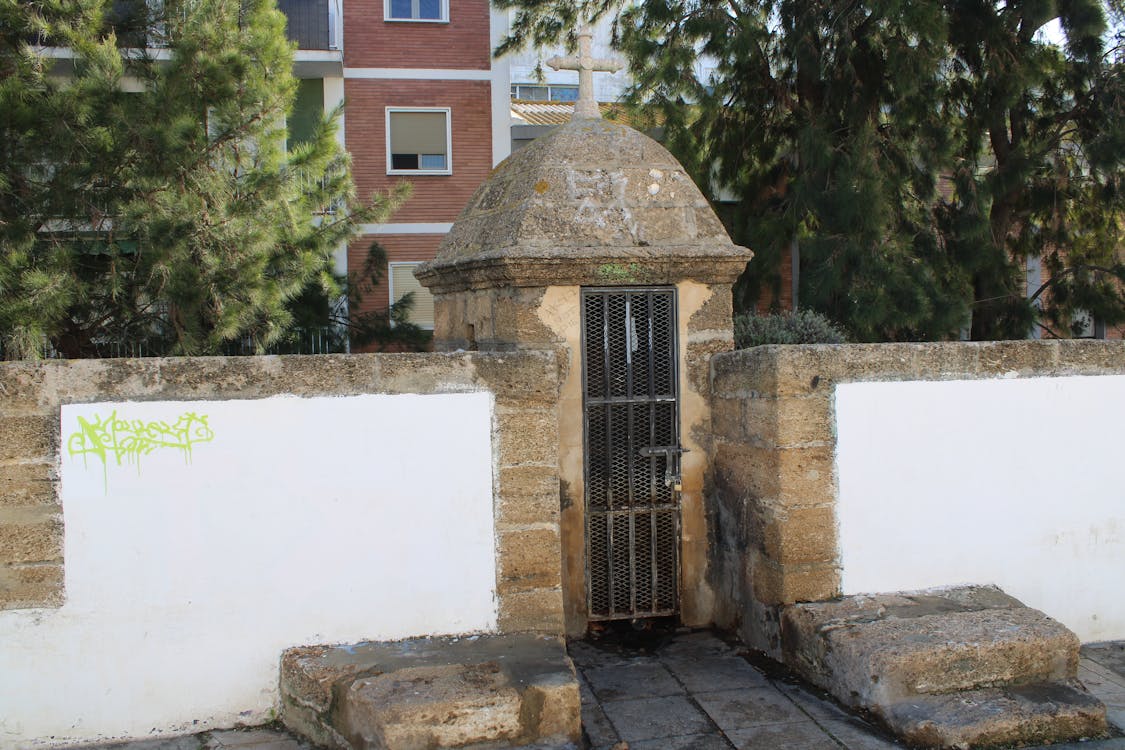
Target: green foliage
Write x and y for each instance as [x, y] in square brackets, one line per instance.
[799, 327]
[154, 200]
[834, 125]
[1038, 163]
[389, 328]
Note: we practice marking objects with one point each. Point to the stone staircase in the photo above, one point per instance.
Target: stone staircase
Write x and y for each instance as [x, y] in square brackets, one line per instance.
[952, 668]
[488, 691]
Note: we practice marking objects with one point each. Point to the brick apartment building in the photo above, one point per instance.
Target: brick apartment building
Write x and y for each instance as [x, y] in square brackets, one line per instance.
[425, 102]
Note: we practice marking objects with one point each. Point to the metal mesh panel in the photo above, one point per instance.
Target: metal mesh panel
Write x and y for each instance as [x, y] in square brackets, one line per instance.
[642, 555]
[618, 428]
[632, 452]
[667, 542]
[597, 481]
[598, 541]
[594, 359]
[663, 346]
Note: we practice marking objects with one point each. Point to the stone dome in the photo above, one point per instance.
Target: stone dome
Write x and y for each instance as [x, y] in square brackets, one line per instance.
[591, 203]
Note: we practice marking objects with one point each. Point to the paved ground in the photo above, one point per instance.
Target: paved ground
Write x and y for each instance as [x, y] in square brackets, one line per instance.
[694, 691]
[261, 738]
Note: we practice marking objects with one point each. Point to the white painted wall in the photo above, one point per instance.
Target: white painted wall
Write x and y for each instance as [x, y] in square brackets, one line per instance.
[1016, 482]
[302, 521]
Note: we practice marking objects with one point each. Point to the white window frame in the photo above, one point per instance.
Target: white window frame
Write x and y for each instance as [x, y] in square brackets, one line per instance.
[391, 284]
[444, 14]
[448, 141]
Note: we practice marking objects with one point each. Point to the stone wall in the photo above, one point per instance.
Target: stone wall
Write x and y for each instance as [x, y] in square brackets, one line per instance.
[525, 472]
[774, 500]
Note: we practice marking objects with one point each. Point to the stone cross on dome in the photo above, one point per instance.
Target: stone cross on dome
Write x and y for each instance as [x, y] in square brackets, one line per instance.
[586, 64]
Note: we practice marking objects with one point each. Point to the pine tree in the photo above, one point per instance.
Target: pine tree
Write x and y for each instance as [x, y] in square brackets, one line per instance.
[42, 133]
[168, 208]
[824, 119]
[1038, 167]
[835, 123]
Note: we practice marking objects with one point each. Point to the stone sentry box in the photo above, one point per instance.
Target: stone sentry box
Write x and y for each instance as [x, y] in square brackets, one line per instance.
[594, 204]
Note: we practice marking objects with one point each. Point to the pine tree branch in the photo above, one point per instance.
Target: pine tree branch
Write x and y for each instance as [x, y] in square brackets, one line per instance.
[1117, 272]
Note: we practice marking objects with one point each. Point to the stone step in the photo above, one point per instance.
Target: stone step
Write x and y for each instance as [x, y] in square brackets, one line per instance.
[879, 649]
[477, 691]
[943, 665]
[1011, 716]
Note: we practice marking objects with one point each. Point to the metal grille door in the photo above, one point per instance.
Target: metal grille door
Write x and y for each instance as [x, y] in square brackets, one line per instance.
[632, 452]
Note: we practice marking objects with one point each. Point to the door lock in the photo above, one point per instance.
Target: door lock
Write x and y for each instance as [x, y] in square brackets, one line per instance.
[671, 455]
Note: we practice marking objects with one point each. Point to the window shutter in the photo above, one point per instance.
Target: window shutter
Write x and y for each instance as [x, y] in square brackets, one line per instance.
[403, 282]
[418, 132]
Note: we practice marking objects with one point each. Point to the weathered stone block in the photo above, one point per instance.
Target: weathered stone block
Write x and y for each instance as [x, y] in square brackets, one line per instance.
[1001, 357]
[656, 187]
[528, 436]
[999, 717]
[707, 224]
[697, 357]
[716, 314]
[744, 373]
[589, 143]
[786, 584]
[800, 536]
[491, 196]
[1092, 357]
[536, 611]
[499, 691]
[728, 418]
[785, 477]
[335, 375]
[29, 586]
[28, 437]
[519, 378]
[29, 539]
[790, 422]
[514, 315]
[529, 559]
[424, 373]
[529, 494]
[548, 709]
[589, 186]
[879, 650]
[664, 224]
[546, 184]
[963, 667]
[27, 484]
[806, 370]
[23, 387]
[944, 361]
[431, 707]
[175, 377]
[594, 224]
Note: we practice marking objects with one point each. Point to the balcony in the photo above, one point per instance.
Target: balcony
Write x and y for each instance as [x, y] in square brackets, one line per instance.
[313, 24]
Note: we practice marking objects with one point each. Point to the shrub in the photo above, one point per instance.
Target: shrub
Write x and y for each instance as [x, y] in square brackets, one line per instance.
[800, 327]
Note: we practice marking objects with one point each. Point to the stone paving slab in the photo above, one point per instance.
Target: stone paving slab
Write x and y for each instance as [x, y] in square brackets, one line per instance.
[655, 718]
[723, 701]
[1102, 669]
[703, 666]
[632, 681]
[737, 710]
[257, 738]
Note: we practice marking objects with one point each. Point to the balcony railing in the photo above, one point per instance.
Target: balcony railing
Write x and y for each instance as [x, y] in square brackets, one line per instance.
[312, 24]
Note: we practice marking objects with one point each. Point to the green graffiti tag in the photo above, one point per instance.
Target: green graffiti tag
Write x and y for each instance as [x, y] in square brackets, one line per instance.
[115, 439]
